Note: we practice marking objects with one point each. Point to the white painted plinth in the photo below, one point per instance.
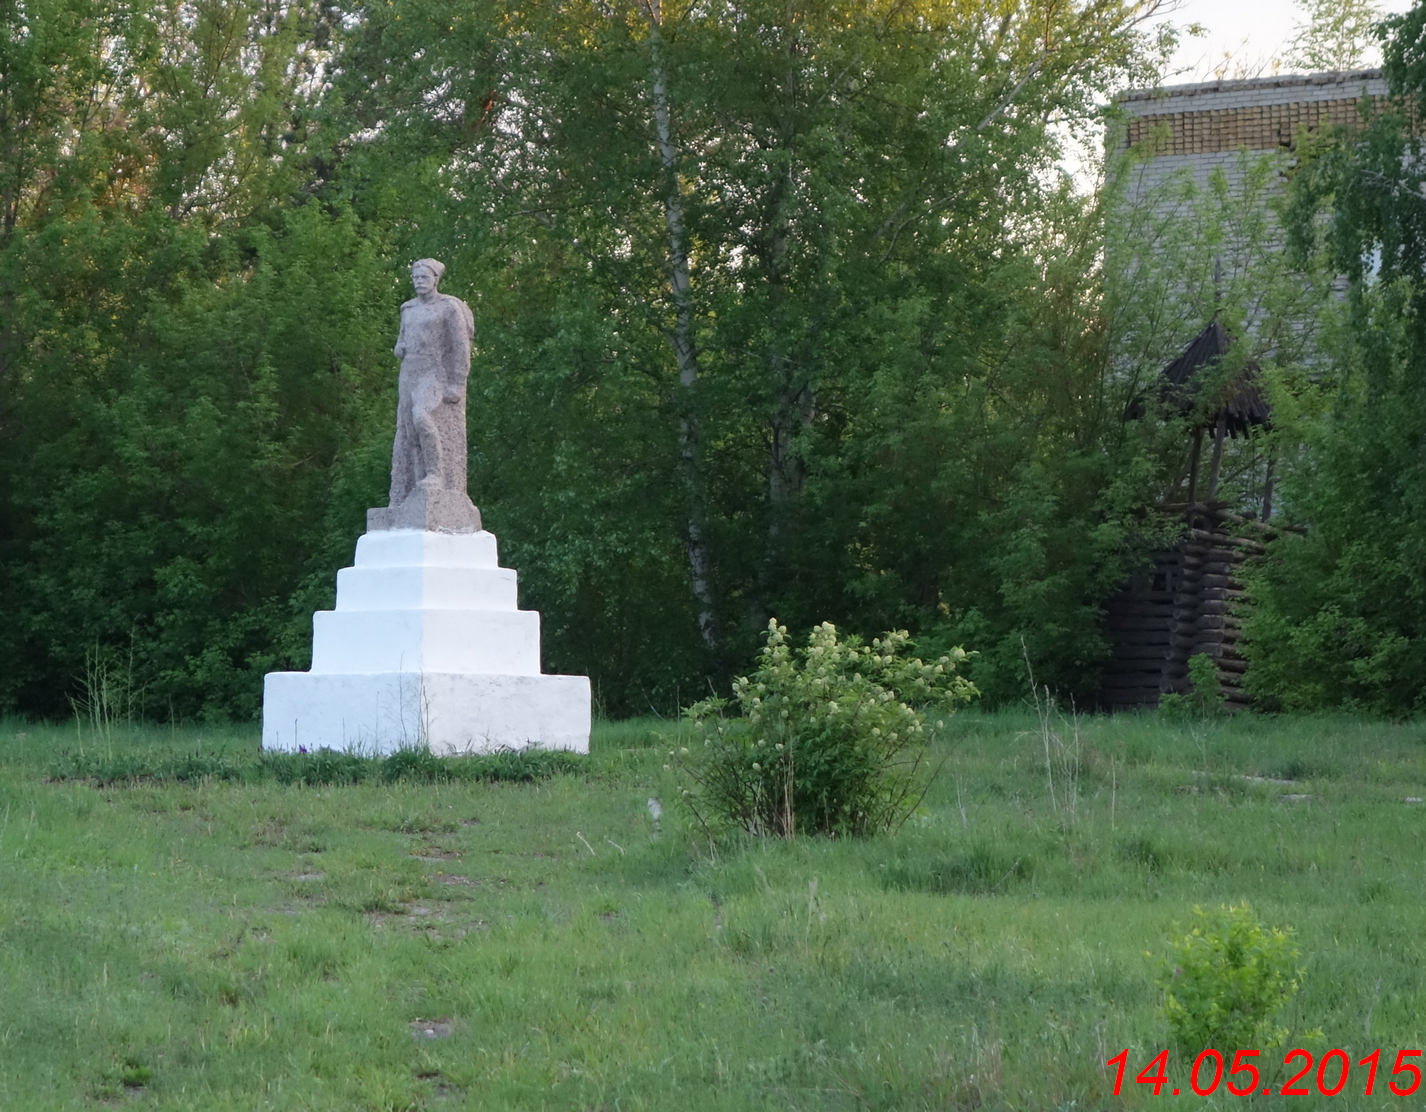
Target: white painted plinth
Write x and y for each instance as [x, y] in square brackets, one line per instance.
[448, 713]
[425, 649]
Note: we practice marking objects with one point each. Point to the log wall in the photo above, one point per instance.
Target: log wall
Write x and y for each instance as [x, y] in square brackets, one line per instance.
[1181, 605]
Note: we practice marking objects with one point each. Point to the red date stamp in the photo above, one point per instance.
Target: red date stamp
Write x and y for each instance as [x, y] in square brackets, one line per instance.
[1242, 1077]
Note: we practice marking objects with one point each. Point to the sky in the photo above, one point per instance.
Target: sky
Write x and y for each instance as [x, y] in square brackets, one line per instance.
[1252, 31]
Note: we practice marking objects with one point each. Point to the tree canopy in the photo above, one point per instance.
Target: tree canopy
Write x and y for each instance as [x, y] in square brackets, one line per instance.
[781, 309]
[1341, 606]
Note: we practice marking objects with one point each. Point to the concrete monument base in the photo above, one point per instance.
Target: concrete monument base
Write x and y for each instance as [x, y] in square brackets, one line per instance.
[425, 649]
[449, 714]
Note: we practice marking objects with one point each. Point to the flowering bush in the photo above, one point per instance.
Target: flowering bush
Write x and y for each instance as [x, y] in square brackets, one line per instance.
[828, 740]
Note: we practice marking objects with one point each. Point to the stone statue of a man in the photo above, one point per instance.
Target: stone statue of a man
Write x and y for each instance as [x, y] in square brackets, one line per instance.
[428, 456]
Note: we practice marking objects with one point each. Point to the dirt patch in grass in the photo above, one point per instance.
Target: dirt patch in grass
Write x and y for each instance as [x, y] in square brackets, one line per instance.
[441, 1088]
[438, 921]
[436, 853]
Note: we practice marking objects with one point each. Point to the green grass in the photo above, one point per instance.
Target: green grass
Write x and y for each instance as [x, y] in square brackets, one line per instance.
[187, 925]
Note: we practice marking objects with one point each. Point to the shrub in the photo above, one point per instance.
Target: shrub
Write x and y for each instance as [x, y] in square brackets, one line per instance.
[828, 740]
[1227, 979]
[1205, 693]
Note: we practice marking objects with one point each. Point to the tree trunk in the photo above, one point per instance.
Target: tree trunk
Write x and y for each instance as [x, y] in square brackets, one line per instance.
[9, 220]
[1268, 492]
[690, 440]
[793, 401]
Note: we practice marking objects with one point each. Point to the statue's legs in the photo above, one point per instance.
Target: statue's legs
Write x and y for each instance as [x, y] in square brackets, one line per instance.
[425, 401]
[403, 457]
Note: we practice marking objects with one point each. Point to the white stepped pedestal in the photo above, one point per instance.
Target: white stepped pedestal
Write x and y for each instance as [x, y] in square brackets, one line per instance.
[426, 648]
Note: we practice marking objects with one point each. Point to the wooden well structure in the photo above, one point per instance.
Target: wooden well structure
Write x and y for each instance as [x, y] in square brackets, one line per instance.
[1183, 602]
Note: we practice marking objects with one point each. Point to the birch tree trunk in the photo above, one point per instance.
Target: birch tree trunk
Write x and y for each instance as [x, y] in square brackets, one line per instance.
[690, 440]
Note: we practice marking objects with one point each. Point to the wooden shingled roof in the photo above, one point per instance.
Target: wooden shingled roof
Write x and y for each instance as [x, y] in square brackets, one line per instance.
[1244, 405]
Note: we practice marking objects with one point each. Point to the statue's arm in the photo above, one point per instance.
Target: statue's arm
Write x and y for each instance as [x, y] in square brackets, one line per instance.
[400, 349]
[460, 326]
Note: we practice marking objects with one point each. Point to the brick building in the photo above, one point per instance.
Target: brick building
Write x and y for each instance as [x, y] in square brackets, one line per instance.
[1197, 128]
[1184, 604]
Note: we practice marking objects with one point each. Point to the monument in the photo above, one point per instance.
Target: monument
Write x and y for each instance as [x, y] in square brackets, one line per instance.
[426, 647]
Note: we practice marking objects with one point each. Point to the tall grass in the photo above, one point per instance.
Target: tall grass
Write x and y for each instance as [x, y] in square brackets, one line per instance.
[187, 924]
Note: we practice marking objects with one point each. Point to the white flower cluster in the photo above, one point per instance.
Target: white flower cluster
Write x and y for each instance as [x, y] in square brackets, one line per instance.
[838, 710]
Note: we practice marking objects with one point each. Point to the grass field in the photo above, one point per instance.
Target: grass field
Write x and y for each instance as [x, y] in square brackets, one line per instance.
[183, 926]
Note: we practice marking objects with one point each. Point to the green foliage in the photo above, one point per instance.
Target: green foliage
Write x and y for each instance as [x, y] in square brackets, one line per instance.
[1205, 693]
[1205, 688]
[1226, 980]
[830, 739]
[1340, 603]
[780, 310]
[193, 475]
[857, 405]
[1335, 35]
[186, 351]
[1174, 707]
[1182, 253]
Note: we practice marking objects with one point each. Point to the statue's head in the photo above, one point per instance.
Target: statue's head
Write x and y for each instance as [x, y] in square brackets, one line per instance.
[426, 275]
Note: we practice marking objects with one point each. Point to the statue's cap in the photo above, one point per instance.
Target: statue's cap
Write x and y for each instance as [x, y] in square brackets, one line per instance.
[433, 265]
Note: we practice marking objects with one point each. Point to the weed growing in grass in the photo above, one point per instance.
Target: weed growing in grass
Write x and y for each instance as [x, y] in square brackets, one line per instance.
[107, 696]
[829, 740]
[1228, 978]
[1060, 740]
[125, 1076]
